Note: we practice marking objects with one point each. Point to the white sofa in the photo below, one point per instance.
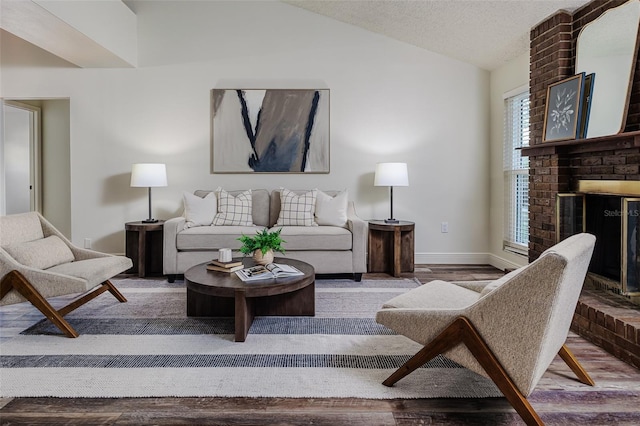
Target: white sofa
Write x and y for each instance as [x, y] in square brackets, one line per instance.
[330, 249]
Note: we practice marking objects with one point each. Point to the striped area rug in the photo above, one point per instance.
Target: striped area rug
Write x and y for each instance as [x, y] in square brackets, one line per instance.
[147, 347]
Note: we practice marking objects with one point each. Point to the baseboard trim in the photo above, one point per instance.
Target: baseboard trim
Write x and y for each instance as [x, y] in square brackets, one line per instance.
[502, 263]
[464, 259]
[452, 258]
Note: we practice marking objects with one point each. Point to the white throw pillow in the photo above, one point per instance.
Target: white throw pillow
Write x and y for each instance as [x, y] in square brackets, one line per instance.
[297, 210]
[41, 254]
[332, 211]
[199, 211]
[234, 211]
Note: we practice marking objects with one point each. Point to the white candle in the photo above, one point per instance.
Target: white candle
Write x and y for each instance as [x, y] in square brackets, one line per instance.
[224, 255]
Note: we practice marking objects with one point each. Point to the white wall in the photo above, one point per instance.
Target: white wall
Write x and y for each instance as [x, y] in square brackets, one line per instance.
[508, 77]
[56, 161]
[389, 102]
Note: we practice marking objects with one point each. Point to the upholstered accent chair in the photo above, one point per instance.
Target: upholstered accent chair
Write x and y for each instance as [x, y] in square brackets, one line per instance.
[38, 262]
[509, 330]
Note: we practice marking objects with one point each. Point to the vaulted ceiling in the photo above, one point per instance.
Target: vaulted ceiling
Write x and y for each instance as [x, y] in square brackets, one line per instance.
[486, 33]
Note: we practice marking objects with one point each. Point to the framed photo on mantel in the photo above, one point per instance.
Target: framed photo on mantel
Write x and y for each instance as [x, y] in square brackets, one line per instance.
[270, 131]
[587, 97]
[563, 113]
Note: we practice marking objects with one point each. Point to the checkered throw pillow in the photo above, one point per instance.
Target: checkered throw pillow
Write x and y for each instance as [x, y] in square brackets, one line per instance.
[297, 210]
[233, 210]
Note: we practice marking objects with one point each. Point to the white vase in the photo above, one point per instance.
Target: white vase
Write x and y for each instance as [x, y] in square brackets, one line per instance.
[263, 259]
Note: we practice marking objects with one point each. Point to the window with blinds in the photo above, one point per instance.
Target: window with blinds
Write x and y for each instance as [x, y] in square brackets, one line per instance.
[516, 172]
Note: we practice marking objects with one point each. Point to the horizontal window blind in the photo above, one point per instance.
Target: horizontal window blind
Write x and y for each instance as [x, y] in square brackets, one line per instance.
[516, 174]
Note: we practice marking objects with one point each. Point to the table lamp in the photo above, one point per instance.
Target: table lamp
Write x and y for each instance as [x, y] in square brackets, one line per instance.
[149, 175]
[391, 174]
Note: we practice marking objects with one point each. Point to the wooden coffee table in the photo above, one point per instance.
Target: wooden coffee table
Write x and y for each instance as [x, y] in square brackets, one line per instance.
[220, 294]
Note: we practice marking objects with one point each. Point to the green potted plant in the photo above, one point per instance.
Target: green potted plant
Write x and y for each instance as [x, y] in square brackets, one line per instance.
[262, 245]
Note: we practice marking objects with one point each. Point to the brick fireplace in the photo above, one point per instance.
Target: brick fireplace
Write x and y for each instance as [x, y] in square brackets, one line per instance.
[558, 167]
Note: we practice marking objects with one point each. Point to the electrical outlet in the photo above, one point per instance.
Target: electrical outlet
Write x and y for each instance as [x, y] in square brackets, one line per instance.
[87, 243]
[444, 227]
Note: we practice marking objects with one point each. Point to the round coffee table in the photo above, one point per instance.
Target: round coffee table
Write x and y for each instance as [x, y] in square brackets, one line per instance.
[222, 294]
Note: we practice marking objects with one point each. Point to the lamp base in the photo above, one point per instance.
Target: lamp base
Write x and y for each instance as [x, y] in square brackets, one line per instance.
[391, 221]
[150, 220]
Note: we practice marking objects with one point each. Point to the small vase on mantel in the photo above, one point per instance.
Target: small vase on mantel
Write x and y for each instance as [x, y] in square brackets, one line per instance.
[263, 259]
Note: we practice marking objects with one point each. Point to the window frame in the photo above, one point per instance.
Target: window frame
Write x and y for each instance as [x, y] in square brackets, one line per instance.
[516, 171]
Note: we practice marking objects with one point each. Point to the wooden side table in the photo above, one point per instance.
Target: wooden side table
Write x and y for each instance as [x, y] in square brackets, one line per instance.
[391, 247]
[144, 247]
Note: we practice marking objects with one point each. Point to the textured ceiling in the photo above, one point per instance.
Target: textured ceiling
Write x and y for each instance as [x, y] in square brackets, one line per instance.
[481, 32]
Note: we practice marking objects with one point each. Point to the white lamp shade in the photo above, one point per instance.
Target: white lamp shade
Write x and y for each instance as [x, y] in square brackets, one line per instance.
[148, 175]
[391, 174]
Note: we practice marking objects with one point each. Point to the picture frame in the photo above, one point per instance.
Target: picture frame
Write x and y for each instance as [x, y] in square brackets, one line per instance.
[563, 109]
[587, 95]
[270, 131]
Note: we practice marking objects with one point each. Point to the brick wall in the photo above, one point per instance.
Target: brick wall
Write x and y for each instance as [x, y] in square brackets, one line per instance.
[556, 170]
[599, 318]
[612, 324]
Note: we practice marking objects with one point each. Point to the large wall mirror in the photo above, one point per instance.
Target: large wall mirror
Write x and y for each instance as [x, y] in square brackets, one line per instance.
[608, 47]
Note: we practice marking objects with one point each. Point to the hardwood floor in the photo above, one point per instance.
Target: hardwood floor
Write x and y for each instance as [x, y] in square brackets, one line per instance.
[559, 398]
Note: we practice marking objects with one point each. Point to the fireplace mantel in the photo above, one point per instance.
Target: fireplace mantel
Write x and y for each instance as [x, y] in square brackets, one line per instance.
[579, 146]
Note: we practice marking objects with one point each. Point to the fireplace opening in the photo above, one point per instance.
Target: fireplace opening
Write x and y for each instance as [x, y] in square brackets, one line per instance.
[610, 210]
[603, 218]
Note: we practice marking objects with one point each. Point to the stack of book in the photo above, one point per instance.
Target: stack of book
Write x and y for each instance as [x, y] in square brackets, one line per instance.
[216, 265]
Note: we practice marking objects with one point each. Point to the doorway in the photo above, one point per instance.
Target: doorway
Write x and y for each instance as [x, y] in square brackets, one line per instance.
[20, 155]
[48, 189]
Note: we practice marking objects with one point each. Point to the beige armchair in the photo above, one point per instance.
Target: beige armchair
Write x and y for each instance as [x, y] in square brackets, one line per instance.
[38, 262]
[508, 330]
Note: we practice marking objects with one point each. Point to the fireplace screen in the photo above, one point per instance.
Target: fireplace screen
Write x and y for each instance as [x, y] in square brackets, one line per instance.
[630, 245]
[615, 221]
[570, 217]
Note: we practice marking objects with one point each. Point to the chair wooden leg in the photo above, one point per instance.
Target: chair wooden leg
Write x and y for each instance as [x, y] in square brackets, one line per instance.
[446, 340]
[106, 286]
[15, 280]
[462, 331]
[569, 358]
[116, 293]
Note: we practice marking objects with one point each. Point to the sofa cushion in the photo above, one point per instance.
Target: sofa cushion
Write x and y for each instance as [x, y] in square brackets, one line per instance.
[332, 210]
[18, 228]
[213, 237]
[233, 211]
[316, 238]
[41, 254]
[434, 294]
[260, 204]
[95, 271]
[199, 211]
[274, 209]
[297, 210]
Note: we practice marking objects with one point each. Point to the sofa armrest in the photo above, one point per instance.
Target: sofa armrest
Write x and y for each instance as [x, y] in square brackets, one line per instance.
[49, 284]
[84, 254]
[358, 228]
[169, 244]
[78, 253]
[476, 286]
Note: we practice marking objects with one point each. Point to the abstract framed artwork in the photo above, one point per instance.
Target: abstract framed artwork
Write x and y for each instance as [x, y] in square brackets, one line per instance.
[563, 109]
[270, 131]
